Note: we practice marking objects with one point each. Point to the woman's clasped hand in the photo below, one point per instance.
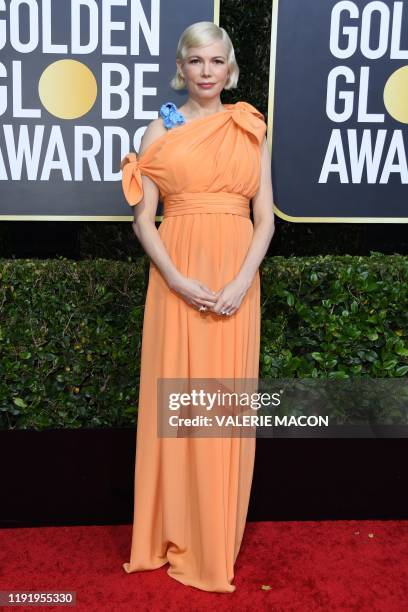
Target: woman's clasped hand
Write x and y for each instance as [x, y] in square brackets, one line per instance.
[226, 301]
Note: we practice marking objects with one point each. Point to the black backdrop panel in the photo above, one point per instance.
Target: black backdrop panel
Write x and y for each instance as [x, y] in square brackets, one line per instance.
[340, 110]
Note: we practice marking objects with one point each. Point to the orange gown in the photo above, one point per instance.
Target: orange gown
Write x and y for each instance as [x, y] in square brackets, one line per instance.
[192, 494]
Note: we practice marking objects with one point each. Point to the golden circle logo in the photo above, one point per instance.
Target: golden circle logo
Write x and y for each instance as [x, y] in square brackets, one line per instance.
[67, 89]
[396, 95]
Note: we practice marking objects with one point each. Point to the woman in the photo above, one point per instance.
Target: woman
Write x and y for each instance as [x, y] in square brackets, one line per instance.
[202, 314]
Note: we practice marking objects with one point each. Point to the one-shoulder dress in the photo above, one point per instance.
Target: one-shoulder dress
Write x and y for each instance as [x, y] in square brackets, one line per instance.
[191, 495]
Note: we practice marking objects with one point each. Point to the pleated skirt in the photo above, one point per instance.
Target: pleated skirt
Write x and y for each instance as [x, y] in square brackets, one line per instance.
[191, 494]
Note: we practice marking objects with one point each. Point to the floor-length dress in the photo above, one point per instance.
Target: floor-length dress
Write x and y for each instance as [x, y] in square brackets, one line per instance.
[192, 494]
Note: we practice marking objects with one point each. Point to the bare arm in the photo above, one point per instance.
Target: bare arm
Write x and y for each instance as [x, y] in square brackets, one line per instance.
[144, 213]
[231, 296]
[264, 221]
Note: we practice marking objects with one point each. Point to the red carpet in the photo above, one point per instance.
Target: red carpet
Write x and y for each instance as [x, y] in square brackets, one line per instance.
[312, 565]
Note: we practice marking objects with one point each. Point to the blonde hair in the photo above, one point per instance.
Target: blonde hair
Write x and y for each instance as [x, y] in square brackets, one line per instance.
[200, 34]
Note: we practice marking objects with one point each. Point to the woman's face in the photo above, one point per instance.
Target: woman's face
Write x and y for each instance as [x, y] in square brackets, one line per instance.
[205, 65]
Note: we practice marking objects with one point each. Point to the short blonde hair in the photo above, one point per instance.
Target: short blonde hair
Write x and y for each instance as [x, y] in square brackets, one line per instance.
[200, 34]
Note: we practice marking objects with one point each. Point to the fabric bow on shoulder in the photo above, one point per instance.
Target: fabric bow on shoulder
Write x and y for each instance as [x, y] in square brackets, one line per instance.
[132, 179]
[244, 115]
[249, 118]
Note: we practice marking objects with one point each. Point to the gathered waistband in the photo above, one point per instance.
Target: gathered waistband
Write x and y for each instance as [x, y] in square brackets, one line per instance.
[207, 202]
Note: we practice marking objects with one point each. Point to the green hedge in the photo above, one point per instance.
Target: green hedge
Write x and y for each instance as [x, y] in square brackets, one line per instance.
[335, 316]
[71, 331]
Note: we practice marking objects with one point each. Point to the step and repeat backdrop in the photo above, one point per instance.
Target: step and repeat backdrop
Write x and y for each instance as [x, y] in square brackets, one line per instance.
[81, 79]
[79, 82]
[338, 110]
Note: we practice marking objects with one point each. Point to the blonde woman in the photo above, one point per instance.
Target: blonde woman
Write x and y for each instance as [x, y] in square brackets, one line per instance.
[207, 161]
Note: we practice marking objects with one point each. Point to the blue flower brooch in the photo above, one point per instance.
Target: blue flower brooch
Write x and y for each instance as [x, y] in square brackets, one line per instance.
[171, 116]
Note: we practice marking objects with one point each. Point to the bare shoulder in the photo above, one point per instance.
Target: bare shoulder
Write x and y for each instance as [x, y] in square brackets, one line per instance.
[154, 130]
